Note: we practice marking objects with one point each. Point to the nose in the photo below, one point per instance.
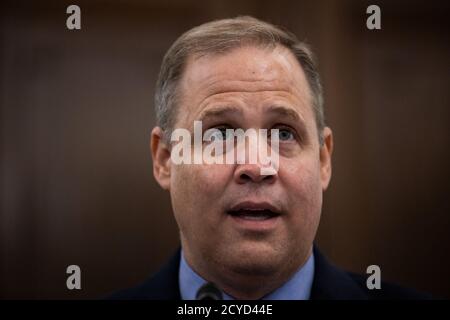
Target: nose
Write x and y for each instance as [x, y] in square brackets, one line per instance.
[255, 167]
[246, 173]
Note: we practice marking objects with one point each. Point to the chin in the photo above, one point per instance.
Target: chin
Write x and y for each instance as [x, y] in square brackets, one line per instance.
[253, 259]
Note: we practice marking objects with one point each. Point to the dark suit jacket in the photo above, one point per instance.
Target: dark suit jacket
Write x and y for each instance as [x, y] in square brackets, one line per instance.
[330, 283]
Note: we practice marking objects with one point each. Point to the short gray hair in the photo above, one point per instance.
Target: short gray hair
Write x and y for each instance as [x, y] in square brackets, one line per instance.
[221, 36]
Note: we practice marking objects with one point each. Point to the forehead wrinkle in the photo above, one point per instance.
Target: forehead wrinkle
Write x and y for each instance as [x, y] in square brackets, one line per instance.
[232, 102]
[220, 86]
[213, 84]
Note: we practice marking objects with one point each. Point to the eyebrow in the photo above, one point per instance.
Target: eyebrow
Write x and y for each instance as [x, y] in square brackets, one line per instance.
[286, 112]
[220, 112]
[279, 110]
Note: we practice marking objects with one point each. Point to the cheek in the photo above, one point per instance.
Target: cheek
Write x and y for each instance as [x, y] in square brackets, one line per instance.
[195, 187]
[301, 180]
[199, 180]
[302, 175]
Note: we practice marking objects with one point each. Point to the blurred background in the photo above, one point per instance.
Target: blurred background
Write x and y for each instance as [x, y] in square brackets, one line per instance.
[76, 184]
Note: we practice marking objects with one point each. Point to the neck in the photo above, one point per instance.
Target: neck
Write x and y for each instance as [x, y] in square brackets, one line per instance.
[246, 284]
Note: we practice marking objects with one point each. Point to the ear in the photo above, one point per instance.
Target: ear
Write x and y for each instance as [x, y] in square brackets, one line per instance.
[326, 151]
[161, 158]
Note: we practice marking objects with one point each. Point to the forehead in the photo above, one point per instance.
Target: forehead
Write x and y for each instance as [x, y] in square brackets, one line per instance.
[249, 70]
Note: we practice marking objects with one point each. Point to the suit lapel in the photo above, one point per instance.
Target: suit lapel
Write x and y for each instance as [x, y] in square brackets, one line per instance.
[331, 283]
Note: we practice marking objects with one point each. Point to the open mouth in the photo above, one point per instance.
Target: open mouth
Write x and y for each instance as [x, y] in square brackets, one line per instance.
[253, 214]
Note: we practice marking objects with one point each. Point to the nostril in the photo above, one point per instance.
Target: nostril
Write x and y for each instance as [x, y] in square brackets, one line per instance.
[245, 177]
[252, 173]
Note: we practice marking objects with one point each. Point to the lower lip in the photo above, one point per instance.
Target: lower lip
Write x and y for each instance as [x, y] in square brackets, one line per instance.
[256, 225]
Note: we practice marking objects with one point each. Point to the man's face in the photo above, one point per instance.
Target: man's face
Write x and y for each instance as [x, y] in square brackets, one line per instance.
[231, 218]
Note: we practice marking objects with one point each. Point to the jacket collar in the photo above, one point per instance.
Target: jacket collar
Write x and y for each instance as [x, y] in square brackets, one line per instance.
[331, 283]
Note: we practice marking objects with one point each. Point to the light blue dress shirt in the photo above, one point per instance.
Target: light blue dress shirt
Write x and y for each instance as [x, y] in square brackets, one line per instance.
[296, 288]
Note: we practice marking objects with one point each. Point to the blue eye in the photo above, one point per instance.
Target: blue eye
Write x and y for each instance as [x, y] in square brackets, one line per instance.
[219, 133]
[224, 134]
[285, 135]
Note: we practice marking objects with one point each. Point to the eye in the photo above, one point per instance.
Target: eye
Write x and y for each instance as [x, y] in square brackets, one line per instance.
[218, 134]
[285, 134]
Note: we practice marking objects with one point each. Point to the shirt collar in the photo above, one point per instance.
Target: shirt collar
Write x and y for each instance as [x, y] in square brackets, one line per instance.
[298, 287]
